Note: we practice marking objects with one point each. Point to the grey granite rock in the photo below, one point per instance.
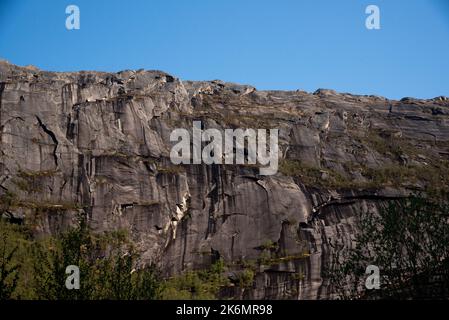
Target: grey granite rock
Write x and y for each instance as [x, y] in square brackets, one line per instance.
[98, 144]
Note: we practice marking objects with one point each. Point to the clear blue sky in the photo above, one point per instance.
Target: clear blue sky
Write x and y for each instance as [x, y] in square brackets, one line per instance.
[279, 44]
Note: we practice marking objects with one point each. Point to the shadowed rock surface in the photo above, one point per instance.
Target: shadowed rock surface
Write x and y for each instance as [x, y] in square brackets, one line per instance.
[97, 144]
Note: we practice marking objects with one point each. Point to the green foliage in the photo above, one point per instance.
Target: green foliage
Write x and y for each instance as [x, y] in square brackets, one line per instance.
[201, 284]
[408, 240]
[390, 143]
[31, 181]
[15, 261]
[10, 200]
[246, 278]
[432, 177]
[7, 200]
[314, 176]
[295, 168]
[269, 245]
[36, 174]
[9, 268]
[170, 170]
[107, 263]
[108, 269]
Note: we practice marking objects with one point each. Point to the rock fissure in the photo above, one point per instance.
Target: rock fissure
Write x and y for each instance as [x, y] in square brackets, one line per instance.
[53, 138]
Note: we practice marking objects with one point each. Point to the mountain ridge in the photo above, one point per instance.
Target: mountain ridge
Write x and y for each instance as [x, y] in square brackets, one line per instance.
[97, 144]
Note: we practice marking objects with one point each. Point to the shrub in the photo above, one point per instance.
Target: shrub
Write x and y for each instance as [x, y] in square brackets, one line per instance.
[408, 241]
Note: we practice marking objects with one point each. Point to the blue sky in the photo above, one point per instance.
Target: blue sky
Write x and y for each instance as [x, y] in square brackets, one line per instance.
[282, 44]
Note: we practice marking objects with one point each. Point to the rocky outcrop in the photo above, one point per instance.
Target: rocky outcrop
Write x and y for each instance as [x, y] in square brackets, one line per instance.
[97, 144]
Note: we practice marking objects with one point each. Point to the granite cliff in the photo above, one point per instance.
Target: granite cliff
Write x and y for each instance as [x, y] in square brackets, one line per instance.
[97, 144]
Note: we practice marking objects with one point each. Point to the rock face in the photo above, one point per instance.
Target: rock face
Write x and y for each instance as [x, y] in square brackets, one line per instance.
[98, 144]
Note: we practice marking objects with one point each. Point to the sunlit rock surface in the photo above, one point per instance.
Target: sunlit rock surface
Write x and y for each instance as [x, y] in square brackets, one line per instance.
[97, 144]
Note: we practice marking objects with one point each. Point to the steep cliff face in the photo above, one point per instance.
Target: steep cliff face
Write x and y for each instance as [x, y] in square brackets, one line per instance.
[98, 144]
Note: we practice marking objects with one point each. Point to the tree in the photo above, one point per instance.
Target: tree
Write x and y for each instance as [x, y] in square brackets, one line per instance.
[51, 258]
[107, 264]
[408, 240]
[9, 269]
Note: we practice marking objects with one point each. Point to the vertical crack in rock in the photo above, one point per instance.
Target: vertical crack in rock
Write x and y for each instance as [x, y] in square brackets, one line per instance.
[182, 210]
[214, 199]
[52, 136]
